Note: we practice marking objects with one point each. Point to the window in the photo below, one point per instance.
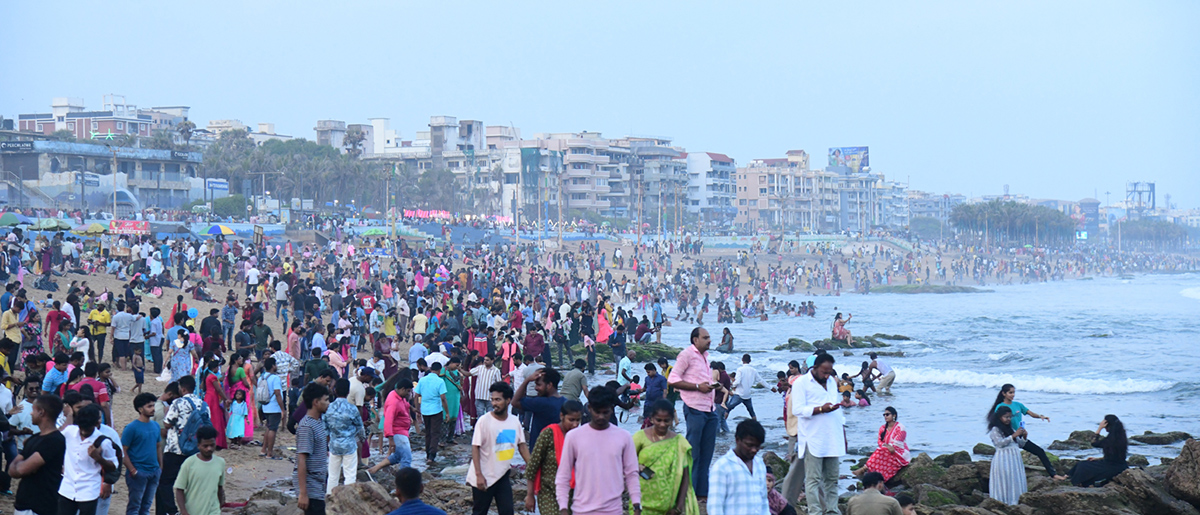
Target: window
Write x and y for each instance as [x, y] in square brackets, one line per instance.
[601, 182]
[580, 166]
[579, 196]
[762, 191]
[95, 125]
[762, 179]
[120, 126]
[39, 127]
[71, 126]
[741, 202]
[753, 203]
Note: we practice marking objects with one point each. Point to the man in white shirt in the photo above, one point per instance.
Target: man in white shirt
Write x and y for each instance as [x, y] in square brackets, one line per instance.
[743, 387]
[251, 281]
[820, 434]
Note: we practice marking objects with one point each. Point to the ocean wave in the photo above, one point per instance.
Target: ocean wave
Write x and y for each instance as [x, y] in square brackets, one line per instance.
[1006, 357]
[1080, 386]
[1191, 293]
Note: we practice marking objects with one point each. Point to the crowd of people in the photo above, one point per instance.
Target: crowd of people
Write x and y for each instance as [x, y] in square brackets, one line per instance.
[356, 353]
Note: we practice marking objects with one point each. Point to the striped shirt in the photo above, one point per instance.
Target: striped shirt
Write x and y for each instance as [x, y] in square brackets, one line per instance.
[734, 489]
[485, 377]
[311, 439]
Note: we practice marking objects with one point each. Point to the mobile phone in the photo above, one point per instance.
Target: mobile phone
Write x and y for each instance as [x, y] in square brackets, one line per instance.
[646, 473]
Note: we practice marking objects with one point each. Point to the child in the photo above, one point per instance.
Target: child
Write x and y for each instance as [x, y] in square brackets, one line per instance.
[105, 375]
[846, 402]
[863, 399]
[845, 385]
[81, 343]
[372, 421]
[235, 431]
[781, 384]
[283, 312]
[139, 372]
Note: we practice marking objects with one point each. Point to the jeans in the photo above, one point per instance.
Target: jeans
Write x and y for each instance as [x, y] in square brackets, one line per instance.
[482, 407]
[278, 306]
[10, 453]
[227, 333]
[820, 484]
[315, 507]
[591, 359]
[102, 505]
[702, 435]
[500, 491]
[98, 357]
[156, 356]
[142, 489]
[619, 351]
[734, 400]
[341, 465]
[722, 424]
[402, 456]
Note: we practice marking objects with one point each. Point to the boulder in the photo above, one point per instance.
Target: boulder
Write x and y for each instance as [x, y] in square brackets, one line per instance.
[862, 462]
[920, 471]
[984, 449]
[1078, 501]
[888, 353]
[1166, 461]
[1149, 495]
[1078, 440]
[949, 460]
[358, 498]
[269, 502]
[645, 352]
[984, 470]
[934, 496]
[960, 479]
[1152, 438]
[796, 344]
[778, 466]
[1005, 509]
[1033, 463]
[1137, 460]
[896, 337]
[963, 510]
[1183, 475]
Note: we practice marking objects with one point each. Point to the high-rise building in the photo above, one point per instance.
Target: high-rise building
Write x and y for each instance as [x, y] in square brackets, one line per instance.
[711, 187]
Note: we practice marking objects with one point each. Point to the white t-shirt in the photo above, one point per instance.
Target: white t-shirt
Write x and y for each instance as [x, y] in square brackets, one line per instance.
[281, 290]
[252, 276]
[498, 442]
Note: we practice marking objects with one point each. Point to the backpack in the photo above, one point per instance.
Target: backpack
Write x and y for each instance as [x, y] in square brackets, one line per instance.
[114, 476]
[189, 444]
[263, 393]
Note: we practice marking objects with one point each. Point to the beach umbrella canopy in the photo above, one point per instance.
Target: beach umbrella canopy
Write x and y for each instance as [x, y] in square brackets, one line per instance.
[12, 219]
[51, 224]
[373, 232]
[219, 229]
[91, 229]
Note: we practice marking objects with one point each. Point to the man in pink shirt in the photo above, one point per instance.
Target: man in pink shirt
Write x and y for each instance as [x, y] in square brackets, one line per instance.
[397, 421]
[602, 459]
[692, 378]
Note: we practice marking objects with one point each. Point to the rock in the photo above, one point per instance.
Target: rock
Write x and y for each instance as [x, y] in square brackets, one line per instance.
[1166, 461]
[1183, 475]
[896, 337]
[963, 510]
[359, 498]
[1078, 501]
[1005, 509]
[847, 353]
[1137, 460]
[973, 498]
[961, 479]
[1032, 462]
[1149, 495]
[269, 502]
[860, 342]
[645, 352]
[449, 496]
[457, 470]
[957, 458]
[1078, 440]
[859, 464]
[934, 496]
[1152, 438]
[920, 471]
[796, 344]
[1035, 483]
[984, 449]
[984, 470]
[778, 466]
[888, 353]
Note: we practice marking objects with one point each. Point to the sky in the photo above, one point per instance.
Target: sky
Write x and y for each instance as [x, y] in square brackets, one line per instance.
[1062, 99]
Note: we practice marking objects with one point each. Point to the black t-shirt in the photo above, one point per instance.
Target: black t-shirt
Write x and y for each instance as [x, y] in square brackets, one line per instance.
[39, 492]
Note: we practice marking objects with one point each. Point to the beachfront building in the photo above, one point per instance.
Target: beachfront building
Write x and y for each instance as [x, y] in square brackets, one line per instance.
[932, 205]
[332, 133]
[59, 174]
[116, 119]
[710, 188]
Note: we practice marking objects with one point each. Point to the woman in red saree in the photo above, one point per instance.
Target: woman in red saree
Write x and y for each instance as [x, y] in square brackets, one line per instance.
[892, 453]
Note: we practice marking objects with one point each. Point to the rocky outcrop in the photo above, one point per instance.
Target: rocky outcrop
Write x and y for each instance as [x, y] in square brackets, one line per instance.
[1149, 495]
[895, 337]
[920, 471]
[1152, 438]
[797, 345]
[778, 466]
[956, 458]
[359, 498]
[984, 449]
[269, 502]
[1183, 475]
[1078, 440]
[934, 496]
[645, 352]
[962, 479]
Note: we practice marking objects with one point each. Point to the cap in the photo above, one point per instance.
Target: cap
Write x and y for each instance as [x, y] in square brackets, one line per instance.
[368, 371]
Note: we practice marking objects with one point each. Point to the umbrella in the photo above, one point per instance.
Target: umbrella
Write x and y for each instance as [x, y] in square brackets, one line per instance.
[219, 229]
[1028, 246]
[11, 219]
[374, 232]
[51, 224]
[91, 229]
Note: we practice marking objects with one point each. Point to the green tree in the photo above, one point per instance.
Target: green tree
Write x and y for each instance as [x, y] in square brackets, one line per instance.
[185, 130]
[161, 140]
[927, 228]
[353, 142]
[63, 135]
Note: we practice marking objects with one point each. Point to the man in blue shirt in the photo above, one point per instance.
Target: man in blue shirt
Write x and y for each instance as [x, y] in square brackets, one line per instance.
[408, 488]
[656, 389]
[155, 340]
[57, 376]
[431, 398]
[139, 441]
[658, 320]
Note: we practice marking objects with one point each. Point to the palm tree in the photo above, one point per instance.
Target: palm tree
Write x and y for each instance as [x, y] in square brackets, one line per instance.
[185, 129]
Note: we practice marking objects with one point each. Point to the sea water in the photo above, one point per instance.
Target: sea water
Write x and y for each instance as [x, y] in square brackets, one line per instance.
[1076, 350]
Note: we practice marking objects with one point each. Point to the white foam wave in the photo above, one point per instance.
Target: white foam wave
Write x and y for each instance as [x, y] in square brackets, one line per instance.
[1004, 356]
[1191, 293]
[1036, 383]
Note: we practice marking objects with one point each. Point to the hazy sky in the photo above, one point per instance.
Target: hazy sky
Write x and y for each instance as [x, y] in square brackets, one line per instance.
[1056, 99]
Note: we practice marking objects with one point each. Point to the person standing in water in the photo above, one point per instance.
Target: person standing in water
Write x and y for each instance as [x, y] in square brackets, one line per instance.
[885, 375]
[1005, 399]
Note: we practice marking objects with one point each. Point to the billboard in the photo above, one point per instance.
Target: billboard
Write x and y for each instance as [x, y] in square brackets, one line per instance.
[854, 158]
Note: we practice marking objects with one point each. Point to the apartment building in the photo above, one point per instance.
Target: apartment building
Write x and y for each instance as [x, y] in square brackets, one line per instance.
[115, 119]
[265, 132]
[711, 187]
[932, 205]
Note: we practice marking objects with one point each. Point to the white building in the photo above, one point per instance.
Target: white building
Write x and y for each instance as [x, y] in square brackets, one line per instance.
[711, 186]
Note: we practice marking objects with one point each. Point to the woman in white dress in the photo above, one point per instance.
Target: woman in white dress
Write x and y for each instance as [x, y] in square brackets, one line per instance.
[1007, 480]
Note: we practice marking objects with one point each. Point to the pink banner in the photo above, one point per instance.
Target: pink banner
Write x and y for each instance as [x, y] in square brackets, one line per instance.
[128, 227]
